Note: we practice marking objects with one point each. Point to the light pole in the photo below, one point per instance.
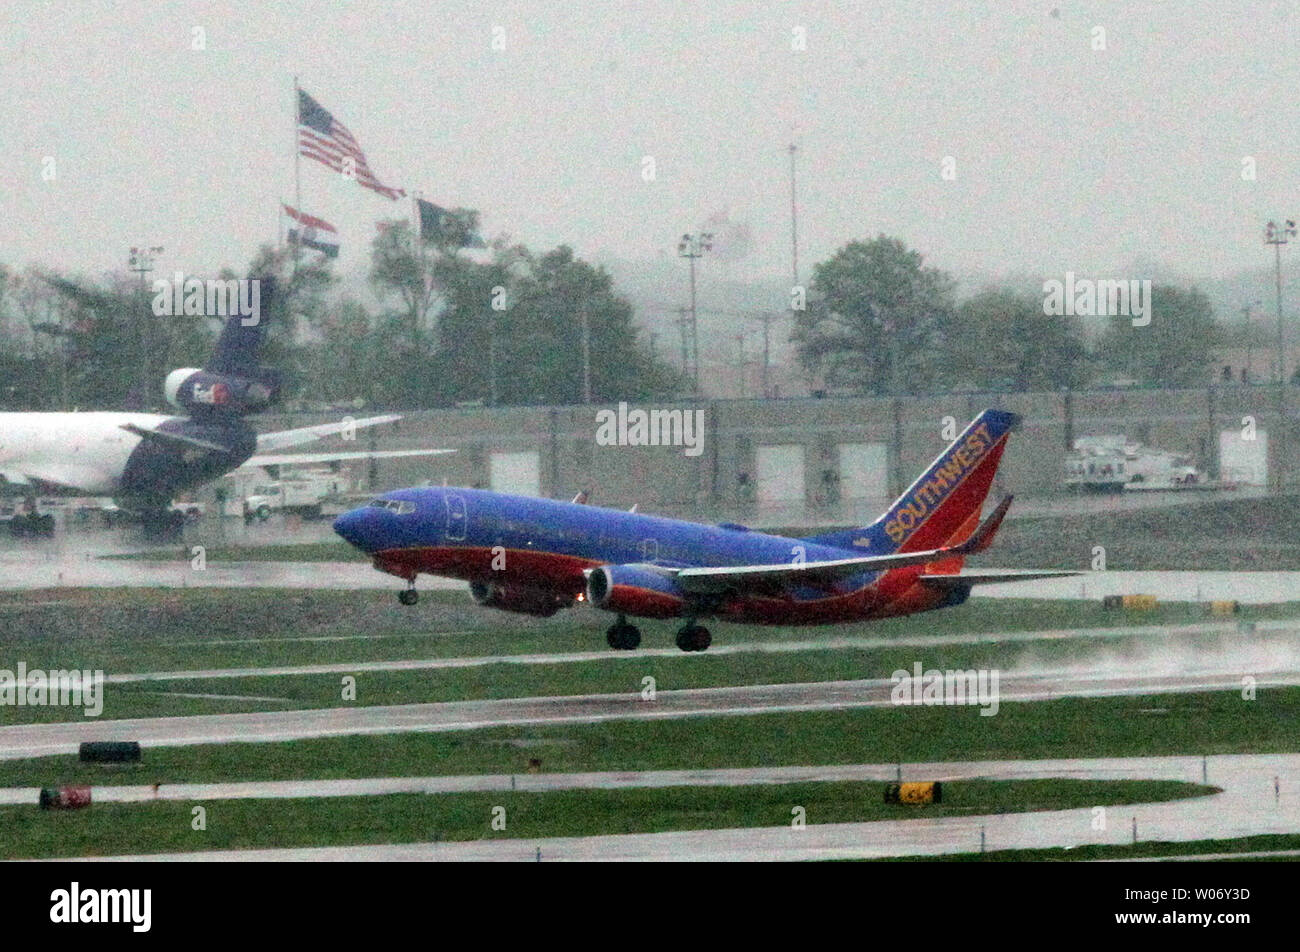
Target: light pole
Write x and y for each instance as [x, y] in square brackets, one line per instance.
[744, 387]
[794, 221]
[140, 260]
[586, 352]
[1247, 371]
[692, 247]
[1278, 235]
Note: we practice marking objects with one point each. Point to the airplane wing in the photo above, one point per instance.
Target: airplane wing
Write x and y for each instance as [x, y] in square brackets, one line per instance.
[267, 442]
[713, 580]
[62, 480]
[302, 459]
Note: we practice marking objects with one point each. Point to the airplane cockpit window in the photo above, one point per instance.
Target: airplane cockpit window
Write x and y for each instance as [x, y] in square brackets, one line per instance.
[400, 507]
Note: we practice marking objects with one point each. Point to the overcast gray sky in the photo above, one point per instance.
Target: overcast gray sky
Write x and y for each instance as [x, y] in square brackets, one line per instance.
[1066, 157]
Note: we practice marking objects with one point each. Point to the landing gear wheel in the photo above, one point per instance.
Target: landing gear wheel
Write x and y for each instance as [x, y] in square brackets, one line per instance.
[408, 597]
[623, 637]
[694, 638]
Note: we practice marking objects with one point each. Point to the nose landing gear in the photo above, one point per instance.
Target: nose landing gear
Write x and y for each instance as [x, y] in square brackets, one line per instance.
[410, 596]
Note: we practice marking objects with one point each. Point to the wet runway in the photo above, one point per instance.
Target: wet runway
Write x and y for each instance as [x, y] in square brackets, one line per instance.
[36, 740]
[1162, 635]
[20, 572]
[1249, 588]
[54, 569]
[1261, 795]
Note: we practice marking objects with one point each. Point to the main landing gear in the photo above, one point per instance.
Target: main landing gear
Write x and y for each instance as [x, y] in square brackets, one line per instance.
[622, 636]
[693, 637]
[410, 596]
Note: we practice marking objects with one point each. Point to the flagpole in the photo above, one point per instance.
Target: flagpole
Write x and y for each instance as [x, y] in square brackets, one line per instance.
[297, 176]
[417, 237]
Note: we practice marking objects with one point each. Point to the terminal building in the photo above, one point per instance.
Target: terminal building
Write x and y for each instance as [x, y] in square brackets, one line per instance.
[800, 462]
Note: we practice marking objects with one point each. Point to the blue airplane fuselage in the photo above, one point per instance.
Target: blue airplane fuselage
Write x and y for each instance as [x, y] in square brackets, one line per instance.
[528, 545]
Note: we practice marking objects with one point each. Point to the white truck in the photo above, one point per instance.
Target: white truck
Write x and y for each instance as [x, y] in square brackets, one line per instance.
[309, 493]
[1115, 464]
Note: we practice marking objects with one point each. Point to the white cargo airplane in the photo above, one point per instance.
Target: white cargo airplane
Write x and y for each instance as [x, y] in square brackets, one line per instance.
[144, 460]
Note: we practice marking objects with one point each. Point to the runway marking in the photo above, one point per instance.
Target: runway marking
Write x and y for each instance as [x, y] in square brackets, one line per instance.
[220, 697]
[272, 640]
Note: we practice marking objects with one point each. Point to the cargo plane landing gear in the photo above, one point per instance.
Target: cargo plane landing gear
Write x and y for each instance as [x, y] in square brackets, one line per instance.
[693, 637]
[622, 636]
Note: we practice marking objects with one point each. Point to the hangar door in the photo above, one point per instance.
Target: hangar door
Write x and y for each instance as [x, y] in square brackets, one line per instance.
[1243, 461]
[864, 471]
[516, 473]
[780, 474]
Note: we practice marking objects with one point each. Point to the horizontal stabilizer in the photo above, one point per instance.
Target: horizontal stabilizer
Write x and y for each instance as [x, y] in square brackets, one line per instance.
[991, 577]
[267, 442]
[175, 439]
[303, 459]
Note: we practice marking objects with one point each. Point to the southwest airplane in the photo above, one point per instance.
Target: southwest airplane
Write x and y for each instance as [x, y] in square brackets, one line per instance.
[144, 460]
[536, 556]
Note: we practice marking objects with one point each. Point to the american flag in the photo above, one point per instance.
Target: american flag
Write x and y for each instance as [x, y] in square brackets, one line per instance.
[325, 139]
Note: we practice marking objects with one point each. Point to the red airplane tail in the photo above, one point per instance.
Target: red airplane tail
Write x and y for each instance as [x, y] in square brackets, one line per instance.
[943, 505]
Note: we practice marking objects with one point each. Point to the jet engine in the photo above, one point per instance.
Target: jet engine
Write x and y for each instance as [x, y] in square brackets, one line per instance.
[635, 590]
[202, 393]
[518, 598]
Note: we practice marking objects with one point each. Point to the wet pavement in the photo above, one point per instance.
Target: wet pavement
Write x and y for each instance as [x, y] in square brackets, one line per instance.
[45, 739]
[1260, 795]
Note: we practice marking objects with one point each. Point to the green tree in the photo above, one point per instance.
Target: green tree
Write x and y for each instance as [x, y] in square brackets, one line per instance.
[412, 270]
[876, 319]
[504, 331]
[1173, 350]
[1000, 339]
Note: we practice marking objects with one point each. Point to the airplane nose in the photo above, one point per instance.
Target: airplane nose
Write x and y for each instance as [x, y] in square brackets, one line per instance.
[351, 526]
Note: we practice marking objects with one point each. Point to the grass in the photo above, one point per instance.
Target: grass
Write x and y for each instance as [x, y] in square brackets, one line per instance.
[113, 828]
[619, 674]
[1139, 850]
[141, 630]
[1189, 724]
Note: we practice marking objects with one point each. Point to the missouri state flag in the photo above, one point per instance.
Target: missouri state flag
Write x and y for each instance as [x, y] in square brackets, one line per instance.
[314, 233]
